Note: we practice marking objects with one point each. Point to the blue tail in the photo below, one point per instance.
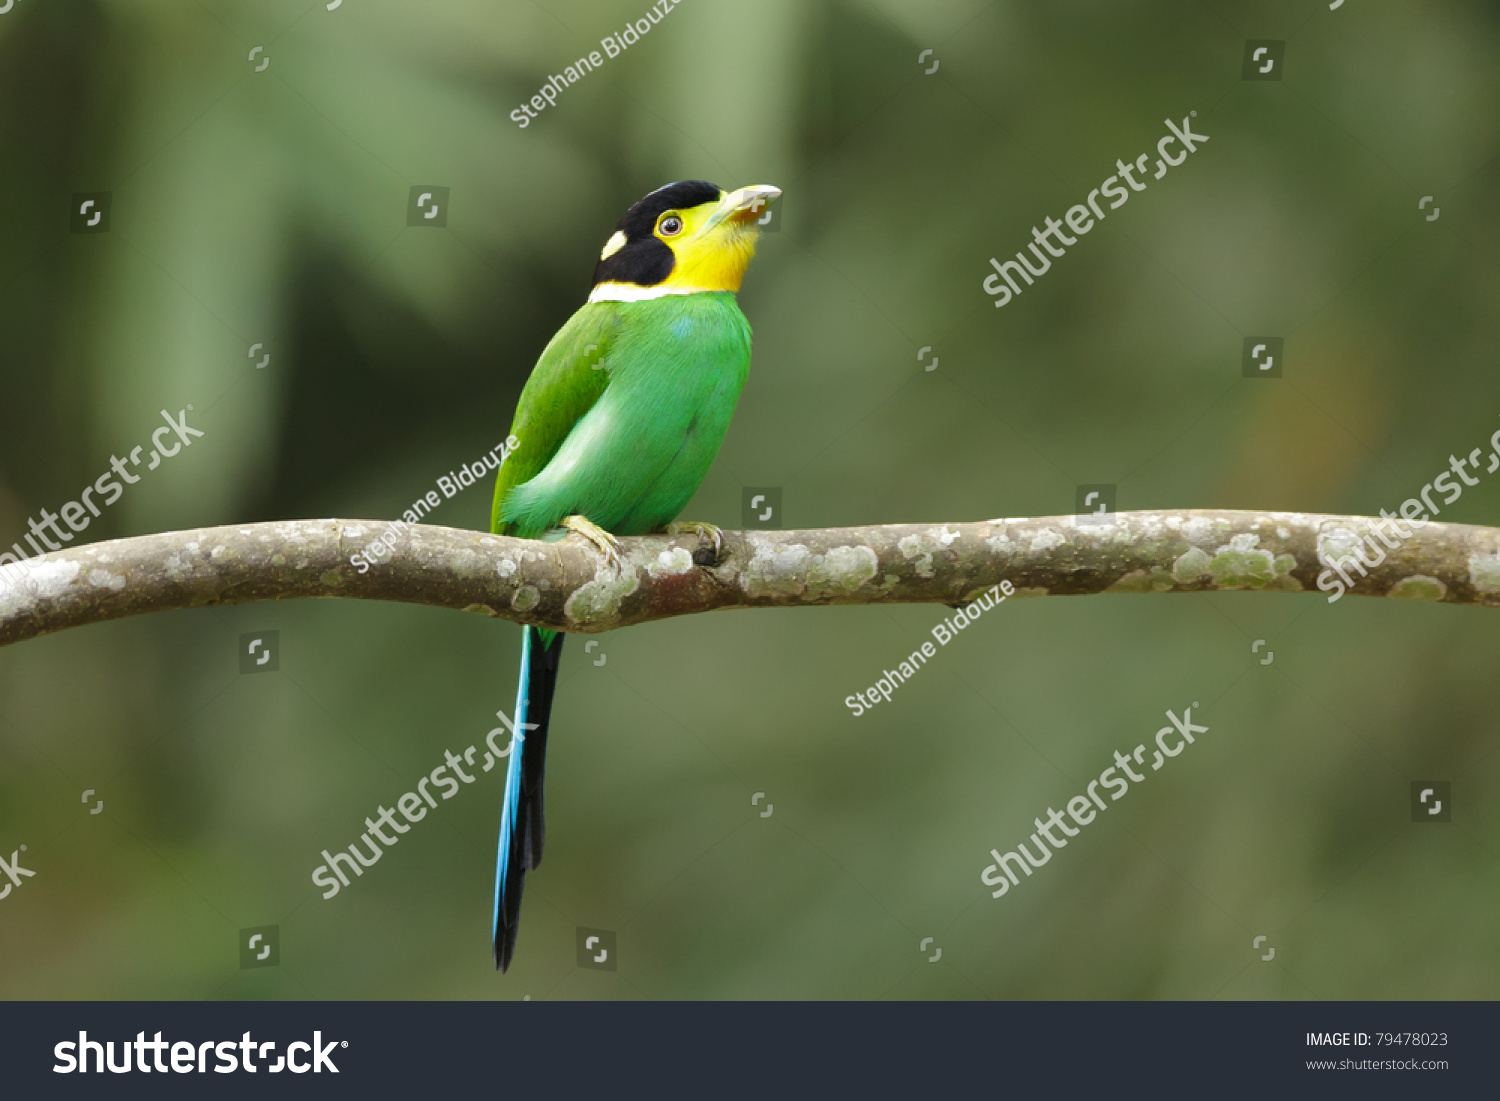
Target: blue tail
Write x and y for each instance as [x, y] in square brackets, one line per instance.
[522, 827]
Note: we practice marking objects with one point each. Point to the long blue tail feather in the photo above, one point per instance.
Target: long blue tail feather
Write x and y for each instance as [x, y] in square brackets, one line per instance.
[522, 823]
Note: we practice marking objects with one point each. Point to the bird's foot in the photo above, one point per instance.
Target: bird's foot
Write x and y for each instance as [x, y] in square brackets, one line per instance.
[603, 540]
[704, 531]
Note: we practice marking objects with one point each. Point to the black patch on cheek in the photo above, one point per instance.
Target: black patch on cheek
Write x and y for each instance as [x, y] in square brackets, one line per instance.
[646, 262]
[645, 259]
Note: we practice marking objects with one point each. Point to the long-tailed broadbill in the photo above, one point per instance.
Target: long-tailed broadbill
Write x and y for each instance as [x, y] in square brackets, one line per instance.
[616, 428]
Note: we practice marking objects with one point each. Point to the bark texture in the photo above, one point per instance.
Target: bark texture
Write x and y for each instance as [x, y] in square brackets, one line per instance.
[567, 585]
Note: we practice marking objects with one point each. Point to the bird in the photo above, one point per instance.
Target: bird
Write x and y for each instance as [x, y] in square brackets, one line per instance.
[615, 429]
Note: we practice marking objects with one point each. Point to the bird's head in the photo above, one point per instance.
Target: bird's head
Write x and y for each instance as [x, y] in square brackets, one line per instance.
[684, 238]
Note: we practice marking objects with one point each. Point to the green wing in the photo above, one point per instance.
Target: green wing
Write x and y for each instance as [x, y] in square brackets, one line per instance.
[567, 380]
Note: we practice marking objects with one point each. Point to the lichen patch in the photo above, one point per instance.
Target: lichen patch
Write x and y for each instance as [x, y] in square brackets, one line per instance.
[911, 547]
[1046, 539]
[1242, 564]
[842, 570]
[1190, 566]
[793, 570]
[601, 598]
[1337, 544]
[1418, 587]
[670, 563]
[103, 579]
[1484, 572]
[51, 579]
[1136, 581]
[1197, 529]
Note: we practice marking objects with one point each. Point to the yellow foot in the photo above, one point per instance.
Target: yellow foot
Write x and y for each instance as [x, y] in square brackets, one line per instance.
[603, 540]
[704, 531]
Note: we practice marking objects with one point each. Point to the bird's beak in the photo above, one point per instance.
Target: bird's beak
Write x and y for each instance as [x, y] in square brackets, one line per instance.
[742, 207]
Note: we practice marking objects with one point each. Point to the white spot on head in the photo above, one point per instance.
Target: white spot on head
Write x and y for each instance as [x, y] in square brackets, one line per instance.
[613, 245]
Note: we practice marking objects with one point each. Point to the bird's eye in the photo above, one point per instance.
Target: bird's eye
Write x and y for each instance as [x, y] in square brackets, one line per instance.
[670, 226]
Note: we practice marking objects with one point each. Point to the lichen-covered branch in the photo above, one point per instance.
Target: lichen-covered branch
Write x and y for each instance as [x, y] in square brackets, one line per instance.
[566, 584]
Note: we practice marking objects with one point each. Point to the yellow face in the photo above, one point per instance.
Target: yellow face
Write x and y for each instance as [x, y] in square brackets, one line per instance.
[713, 243]
[684, 249]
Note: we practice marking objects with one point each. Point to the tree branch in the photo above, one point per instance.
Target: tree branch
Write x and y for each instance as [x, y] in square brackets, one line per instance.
[566, 585]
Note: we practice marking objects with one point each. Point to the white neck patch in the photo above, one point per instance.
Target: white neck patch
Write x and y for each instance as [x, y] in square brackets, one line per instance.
[629, 292]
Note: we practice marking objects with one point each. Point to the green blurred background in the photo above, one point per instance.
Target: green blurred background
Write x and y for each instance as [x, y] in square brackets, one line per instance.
[270, 207]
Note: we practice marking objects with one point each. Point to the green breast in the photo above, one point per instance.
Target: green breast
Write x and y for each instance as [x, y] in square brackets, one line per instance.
[676, 366]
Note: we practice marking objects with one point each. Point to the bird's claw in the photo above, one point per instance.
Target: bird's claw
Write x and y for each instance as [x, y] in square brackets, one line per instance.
[606, 543]
[702, 530]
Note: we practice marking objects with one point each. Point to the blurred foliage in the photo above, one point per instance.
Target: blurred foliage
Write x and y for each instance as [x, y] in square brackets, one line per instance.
[269, 208]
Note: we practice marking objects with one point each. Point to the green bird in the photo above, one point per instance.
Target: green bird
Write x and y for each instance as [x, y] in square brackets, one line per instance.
[616, 428]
